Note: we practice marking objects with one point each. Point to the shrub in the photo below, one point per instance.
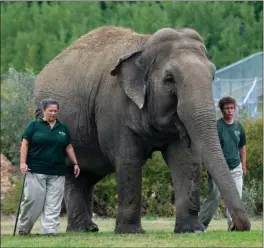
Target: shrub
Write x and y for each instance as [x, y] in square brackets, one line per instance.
[16, 110]
[253, 181]
[253, 197]
[254, 148]
[157, 190]
[10, 204]
[105, 197]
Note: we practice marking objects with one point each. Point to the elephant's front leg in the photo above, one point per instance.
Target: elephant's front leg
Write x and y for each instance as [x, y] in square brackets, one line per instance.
[184, 164]
[129, 182]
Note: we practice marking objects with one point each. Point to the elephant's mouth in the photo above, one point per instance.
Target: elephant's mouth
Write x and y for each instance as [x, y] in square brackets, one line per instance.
[171, 128]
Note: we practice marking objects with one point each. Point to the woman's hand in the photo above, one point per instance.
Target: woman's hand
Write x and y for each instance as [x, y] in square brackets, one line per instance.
[24, 168]
[76, 170]
[71, 155]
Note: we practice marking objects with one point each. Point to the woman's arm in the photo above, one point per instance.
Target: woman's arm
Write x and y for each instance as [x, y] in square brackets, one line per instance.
[23, 156]
[71, 155]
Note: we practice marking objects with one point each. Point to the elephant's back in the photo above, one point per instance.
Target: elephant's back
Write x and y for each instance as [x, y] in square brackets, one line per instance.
[81, 66]
[100, 39]
[105, 43]
[78, 75]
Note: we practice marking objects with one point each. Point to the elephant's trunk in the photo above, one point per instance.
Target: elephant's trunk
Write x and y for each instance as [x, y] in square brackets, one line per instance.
[200, 122]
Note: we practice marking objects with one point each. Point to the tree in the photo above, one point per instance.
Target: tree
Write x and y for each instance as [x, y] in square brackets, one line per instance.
[39, 32]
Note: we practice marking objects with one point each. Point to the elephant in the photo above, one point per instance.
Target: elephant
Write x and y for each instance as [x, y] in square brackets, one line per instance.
[124, 95]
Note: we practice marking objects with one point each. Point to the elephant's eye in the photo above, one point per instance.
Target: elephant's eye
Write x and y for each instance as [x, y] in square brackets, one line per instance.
[168, 79]
[213, 77]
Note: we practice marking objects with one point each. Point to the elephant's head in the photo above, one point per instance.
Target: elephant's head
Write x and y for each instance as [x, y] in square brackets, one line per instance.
[169, 64]
[171, 77]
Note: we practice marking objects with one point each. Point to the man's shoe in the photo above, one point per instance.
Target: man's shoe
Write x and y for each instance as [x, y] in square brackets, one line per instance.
[204, 226]
[231, 226]
[50, 234]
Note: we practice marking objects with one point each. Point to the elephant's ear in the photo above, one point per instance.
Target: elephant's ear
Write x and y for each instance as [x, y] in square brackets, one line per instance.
[131, 77]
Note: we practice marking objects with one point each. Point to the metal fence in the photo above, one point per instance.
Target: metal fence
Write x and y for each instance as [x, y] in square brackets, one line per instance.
[243, 81]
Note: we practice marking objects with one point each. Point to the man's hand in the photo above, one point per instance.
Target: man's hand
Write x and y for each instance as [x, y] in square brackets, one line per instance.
[243, 157]
[76, 170]
[24, 168]
[244, 169]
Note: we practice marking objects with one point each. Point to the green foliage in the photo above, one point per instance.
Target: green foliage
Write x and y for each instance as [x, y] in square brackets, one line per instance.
[105, 197]
[254, 147]
[157, 193]
[16, 109]
[253, 197]
[10, 204]
[40, 31]
[136, 16]
[226, 27]
[254, 178]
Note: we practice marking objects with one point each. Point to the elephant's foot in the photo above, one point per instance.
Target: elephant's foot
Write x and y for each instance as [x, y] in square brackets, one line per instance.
[129, 228]
[189, 224]
[91, 227]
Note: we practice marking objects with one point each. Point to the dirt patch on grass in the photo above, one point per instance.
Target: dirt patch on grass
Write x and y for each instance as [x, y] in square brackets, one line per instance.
[6, 176]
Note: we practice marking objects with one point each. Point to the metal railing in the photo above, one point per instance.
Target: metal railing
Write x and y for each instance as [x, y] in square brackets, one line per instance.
[243, 81]
[251, 100]
[245, 91]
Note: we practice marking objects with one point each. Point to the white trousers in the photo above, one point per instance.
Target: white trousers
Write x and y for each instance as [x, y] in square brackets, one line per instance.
[237, 175]
[43, 195]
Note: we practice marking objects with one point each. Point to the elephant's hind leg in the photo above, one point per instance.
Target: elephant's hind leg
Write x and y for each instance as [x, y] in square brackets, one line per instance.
[184, 165]
[79, 202]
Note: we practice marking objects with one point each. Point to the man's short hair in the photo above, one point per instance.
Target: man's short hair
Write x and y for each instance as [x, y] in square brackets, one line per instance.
[226, 100]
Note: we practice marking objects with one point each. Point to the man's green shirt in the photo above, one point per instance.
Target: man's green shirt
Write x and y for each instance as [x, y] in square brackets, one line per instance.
[232, 138]
[47, 147]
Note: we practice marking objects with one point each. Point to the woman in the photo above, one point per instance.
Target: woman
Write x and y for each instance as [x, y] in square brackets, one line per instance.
[46, 143]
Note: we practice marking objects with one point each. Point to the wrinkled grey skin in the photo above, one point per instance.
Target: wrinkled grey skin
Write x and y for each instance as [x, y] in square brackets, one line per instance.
[124, 95]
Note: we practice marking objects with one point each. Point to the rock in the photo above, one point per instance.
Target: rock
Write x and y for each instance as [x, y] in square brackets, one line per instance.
[6, 176]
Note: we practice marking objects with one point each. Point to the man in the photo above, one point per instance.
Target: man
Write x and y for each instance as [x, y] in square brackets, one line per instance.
[233, 142]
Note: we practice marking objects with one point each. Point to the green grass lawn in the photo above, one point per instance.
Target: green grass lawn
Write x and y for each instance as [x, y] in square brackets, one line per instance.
[159, 233]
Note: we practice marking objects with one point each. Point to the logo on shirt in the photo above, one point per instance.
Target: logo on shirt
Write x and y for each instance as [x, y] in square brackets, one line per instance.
[237, 133]
[62, 133]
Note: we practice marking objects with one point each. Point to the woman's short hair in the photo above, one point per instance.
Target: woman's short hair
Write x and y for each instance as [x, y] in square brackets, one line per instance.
[46, 102]
[226, 100]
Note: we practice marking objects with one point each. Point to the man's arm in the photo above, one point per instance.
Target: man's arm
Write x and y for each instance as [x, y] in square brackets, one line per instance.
[243, 157]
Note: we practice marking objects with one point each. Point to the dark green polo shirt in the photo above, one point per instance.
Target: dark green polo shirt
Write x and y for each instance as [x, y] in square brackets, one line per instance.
[232, 137]
[47, 147]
